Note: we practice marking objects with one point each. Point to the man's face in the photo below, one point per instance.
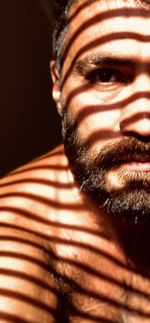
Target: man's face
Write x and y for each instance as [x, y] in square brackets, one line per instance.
[106, 101]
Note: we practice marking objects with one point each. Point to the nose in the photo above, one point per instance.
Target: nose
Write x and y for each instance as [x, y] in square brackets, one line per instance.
[135, 116]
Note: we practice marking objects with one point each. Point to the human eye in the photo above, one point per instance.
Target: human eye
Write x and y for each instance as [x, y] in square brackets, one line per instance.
[108, 77]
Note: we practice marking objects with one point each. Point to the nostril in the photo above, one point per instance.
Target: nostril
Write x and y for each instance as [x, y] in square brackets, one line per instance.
[137, 124]
[127, 121]
[138, 136]
[146, 115]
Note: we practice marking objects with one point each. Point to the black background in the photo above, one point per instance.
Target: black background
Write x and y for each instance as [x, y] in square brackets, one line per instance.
[29, 123]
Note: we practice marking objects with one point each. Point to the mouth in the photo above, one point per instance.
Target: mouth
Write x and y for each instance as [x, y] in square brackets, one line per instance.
[137, 166]
[133, 163]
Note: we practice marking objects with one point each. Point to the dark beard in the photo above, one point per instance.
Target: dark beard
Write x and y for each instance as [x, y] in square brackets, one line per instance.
[130, 203]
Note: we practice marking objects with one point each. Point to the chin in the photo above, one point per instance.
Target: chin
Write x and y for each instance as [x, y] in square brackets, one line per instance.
[129, 205]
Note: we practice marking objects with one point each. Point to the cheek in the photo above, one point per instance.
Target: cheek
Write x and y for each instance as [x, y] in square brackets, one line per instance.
[95, 123]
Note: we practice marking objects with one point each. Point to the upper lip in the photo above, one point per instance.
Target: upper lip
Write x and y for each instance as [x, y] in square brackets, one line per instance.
[130, 159]
[136, 159]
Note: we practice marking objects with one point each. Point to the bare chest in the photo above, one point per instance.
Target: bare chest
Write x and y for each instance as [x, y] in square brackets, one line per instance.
[108, 294]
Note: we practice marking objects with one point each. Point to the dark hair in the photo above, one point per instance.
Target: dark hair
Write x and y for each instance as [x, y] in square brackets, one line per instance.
[61, 9]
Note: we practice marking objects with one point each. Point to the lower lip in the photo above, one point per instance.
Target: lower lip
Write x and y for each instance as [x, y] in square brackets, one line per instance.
[137, 167]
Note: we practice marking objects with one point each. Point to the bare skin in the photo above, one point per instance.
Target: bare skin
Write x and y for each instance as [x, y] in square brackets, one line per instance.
[62, 260]
[57, 264]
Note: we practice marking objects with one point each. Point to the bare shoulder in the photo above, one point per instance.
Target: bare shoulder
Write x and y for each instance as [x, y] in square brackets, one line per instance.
[46, 166]
[36, 175]
[32, 191]
[28, 200]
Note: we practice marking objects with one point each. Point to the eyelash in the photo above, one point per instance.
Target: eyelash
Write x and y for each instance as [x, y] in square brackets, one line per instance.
[105, 72]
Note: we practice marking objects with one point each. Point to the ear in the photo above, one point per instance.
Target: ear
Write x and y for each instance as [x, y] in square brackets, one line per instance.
[56, 93]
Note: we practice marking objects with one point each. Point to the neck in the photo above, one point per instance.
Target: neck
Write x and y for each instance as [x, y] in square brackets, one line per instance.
[131, 241]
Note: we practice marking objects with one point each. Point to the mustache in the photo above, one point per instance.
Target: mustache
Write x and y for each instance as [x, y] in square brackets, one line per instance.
[117, 151]
[126, 149]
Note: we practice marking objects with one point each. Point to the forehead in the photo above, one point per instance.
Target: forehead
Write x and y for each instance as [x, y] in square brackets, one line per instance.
[77, 6]
[102, 24]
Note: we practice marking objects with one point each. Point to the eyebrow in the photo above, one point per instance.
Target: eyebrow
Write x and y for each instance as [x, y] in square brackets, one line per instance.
[100, 59]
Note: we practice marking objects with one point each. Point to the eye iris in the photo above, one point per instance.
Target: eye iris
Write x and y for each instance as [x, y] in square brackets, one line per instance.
[105, 76]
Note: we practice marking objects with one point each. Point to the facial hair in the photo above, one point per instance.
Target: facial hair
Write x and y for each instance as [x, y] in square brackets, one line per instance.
[131, 202]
